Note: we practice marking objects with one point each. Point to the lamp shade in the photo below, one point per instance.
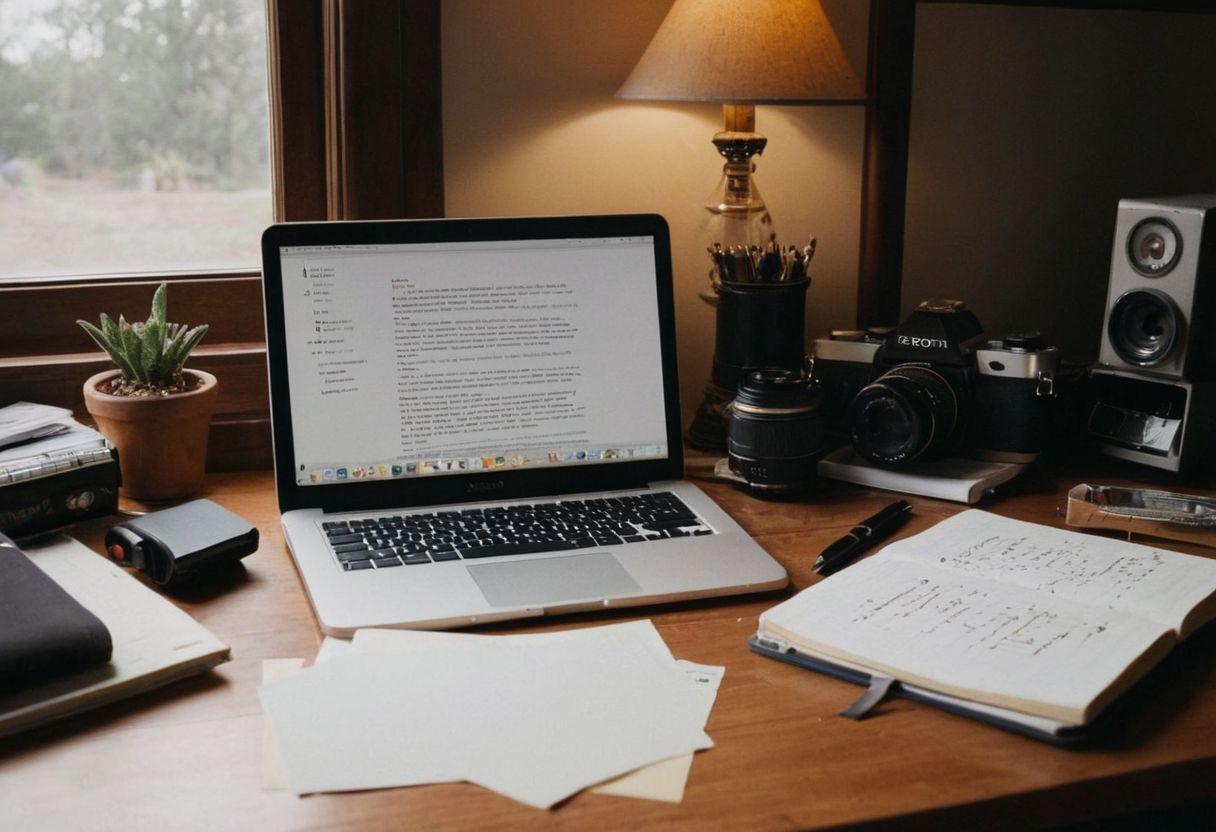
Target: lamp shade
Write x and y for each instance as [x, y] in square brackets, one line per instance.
[746, 52]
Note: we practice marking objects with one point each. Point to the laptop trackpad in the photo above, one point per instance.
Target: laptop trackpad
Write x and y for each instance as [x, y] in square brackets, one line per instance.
[535, 583]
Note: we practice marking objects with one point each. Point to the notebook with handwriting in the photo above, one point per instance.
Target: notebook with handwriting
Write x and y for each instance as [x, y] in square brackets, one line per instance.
[1035, 628]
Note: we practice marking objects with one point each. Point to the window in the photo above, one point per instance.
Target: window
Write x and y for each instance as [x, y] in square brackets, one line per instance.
[134, 136]
[343, 144]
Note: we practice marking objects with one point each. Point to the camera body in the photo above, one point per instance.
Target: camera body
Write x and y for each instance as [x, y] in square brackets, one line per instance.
[935, 385]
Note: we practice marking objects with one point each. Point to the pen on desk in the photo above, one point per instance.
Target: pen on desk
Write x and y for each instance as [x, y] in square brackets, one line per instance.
[871, 531]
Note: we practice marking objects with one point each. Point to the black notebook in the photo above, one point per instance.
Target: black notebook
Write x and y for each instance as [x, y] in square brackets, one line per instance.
[44, 632]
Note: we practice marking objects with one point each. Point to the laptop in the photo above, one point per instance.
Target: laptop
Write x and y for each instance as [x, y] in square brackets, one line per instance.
[478, 420]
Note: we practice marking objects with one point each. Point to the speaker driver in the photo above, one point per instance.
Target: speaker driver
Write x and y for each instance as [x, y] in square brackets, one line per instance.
[1144, 326]
[1154, 246]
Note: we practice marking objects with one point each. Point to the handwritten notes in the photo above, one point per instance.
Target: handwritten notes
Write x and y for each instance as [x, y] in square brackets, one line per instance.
[1096, 571]
[1017, 615]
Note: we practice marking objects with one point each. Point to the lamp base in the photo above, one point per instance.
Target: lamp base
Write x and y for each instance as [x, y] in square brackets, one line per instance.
[711, 423]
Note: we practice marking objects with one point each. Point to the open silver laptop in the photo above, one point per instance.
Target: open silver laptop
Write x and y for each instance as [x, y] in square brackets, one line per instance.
[478, 420]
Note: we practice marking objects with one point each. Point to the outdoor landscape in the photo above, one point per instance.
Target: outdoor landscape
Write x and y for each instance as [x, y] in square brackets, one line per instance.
[133, 136]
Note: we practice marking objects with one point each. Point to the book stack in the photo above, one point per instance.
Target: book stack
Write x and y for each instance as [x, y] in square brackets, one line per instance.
[53, 470]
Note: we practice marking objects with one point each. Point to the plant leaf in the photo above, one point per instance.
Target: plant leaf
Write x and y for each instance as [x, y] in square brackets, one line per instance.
[131, 348]
[110, 347]
[153, 344]
[109, 327]
[189, 342]
[160, 303]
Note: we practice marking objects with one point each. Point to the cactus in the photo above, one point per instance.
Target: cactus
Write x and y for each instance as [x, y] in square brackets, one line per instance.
[152, 352]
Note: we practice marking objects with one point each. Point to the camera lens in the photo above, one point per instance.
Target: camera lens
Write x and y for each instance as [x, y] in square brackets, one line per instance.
[776, 431]
[1144, 326]
[909, 412]
[1153, 247]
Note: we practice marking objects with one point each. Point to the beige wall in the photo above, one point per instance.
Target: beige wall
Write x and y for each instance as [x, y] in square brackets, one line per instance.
[531, 127]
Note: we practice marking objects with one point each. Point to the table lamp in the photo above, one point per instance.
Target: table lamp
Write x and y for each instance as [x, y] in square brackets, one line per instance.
[742, 53]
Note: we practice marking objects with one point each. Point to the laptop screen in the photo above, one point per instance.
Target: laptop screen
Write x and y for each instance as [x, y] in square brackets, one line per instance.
[450, 358]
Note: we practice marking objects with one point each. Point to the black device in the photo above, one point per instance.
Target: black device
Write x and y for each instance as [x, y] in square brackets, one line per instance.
[871, 531]
[758, 326]
[182, 544]
[1154, 390]
[935, 385]
[777, 429]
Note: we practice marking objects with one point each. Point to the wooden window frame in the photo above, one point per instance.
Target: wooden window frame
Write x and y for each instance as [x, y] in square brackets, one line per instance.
[356, 133]
[888, 118]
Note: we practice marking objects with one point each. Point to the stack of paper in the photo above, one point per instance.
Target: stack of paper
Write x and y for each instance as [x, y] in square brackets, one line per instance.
[534, 717]
[37, 439]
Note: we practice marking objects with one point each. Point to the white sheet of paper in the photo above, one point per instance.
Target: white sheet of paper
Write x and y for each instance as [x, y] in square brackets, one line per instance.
[536, 720]
[274, 773]
[331, 648]
[664, 780]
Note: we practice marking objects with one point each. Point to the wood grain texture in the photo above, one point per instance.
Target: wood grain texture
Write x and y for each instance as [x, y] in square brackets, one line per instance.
[297, 109]
[40, 318]
[782, 758]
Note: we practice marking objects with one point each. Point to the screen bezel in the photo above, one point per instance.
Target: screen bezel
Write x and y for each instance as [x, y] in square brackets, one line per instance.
[459, 488]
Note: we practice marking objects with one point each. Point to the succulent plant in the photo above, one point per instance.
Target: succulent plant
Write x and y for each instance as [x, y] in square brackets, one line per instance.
[151, 352]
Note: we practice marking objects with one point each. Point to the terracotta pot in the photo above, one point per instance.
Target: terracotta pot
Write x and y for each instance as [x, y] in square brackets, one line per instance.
[162, 441]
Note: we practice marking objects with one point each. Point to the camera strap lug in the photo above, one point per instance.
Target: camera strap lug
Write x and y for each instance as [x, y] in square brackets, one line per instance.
[1046, 385]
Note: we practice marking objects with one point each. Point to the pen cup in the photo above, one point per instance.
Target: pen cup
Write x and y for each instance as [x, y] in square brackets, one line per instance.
[758, 326]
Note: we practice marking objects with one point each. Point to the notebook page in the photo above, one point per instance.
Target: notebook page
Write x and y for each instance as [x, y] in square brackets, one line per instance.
[1153, 583]
[972, 637]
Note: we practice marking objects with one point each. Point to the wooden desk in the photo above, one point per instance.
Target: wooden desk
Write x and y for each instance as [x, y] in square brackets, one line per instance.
[189, 756]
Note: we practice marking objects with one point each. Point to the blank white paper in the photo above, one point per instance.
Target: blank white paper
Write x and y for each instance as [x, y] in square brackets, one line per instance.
[536, 718]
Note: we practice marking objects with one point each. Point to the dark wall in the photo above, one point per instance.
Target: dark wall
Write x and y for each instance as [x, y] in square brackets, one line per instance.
[1028, 126]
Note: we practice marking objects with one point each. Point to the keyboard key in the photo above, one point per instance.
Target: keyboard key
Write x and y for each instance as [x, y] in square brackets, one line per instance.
[353, 565]
[495, 549]
[511, 530]
[671, 523]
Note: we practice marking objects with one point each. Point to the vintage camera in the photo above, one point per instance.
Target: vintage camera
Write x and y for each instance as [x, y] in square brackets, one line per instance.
[1154, 390]
[776, 432]
[935, 385]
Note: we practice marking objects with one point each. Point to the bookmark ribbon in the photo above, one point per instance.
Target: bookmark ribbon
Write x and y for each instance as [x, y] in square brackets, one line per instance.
[879, 687]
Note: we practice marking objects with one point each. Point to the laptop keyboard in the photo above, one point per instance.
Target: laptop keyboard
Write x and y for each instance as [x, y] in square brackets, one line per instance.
[414, 539]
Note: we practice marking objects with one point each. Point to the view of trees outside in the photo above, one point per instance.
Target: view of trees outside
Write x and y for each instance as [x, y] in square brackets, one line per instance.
[134, 135]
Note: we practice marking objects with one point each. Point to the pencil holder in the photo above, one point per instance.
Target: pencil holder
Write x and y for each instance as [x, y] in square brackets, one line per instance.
[758, 326]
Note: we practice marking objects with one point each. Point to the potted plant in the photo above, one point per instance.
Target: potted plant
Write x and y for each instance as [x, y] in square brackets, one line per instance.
[155, 412]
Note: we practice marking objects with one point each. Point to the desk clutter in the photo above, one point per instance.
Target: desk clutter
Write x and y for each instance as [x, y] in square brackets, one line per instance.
[53, 470]
[93, 633]
[535, 717]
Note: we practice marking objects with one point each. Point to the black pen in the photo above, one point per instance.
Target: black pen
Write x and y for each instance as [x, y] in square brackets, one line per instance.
[862, 537]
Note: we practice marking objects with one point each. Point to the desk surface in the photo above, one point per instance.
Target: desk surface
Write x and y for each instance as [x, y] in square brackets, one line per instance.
[188, 756]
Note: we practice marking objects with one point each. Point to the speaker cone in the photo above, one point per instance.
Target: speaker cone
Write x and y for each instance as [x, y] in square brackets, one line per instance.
[1144, 326]
[1154, 246]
